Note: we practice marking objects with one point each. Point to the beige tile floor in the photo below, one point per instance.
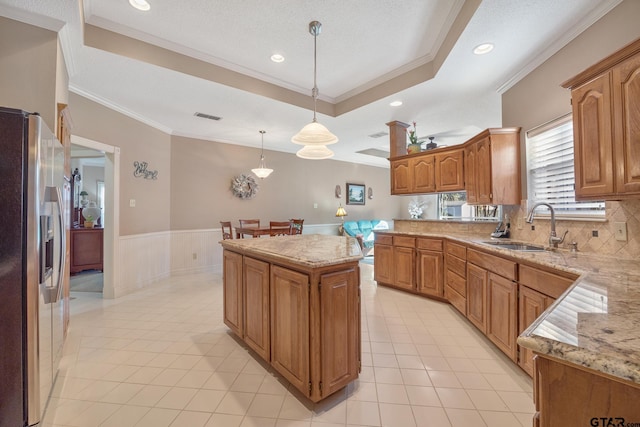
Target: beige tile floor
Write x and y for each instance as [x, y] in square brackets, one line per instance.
[163, 357]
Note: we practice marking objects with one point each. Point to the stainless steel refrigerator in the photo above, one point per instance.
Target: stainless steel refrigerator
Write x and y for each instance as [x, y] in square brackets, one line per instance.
[33, 202]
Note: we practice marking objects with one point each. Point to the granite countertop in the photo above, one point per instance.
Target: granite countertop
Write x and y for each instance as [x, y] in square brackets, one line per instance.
[596, 322]
[308, 250]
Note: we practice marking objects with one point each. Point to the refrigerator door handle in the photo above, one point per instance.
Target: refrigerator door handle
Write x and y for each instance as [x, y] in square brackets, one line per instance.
[54, 293]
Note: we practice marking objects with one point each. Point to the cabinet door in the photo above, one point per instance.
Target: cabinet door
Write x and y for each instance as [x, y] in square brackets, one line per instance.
[256, 308]
[430, 273]
[477, 296]
[483, 171]
[531, 305]
[424, 174]
[340, 329]
[592, 138]
[470, 174]
[404, 267]
[502, 314]
[626, 93]
[290, 326]
[383, 264]
[400, 177]
[450, 171]
[232, 291]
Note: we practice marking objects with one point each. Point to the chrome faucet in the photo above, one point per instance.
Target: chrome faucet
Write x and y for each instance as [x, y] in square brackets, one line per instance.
[553, 238]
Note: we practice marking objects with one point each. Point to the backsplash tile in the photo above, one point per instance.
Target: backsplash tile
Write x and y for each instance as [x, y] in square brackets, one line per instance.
[581, 231]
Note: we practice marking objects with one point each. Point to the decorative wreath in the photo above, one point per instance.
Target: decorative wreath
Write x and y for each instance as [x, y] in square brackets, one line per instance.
[244, 186]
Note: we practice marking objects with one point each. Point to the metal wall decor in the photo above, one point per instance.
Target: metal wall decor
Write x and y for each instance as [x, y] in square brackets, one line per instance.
[140, 171]
[370, 193]
[338, 191]
[244, 186]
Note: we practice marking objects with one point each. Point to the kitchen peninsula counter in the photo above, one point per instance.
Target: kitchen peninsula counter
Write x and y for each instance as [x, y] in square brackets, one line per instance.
[295, 301]
[587, 342]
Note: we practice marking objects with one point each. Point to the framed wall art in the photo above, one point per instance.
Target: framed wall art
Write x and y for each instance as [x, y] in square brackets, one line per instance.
[355, 194]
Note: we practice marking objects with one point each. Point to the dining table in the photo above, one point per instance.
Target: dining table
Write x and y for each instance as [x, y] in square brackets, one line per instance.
[252, 231]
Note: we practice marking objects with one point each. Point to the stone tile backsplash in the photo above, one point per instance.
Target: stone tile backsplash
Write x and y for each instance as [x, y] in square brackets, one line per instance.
[582, 231]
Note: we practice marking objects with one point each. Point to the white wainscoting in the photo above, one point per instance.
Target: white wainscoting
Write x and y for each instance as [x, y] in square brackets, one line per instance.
[147, 258]
[144, 259]
[196, 251]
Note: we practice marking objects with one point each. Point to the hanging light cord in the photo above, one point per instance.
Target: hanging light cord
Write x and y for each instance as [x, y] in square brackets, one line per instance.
[262, 132]
[314, 28]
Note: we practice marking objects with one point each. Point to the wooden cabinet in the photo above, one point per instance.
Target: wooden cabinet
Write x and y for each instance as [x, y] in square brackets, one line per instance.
[86, 248]
[449, 167]
[396, 256]
[290, 325]
[492, 298]
[256, 307]
[304, 321]
[401, 177]
[430, 267]
[477, 279]
[531, 304]
[233, 292]
[538, 289]
[487, 166]
[606, 111]
[571, 395]
[502, 314]
[455, 273]
[340, 326]
[492, 167]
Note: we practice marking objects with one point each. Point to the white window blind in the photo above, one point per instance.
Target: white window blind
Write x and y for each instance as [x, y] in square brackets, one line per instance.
[551, 177]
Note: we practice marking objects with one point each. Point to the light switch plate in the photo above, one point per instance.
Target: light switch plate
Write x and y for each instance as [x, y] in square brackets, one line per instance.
[132, 203]
[620, 230]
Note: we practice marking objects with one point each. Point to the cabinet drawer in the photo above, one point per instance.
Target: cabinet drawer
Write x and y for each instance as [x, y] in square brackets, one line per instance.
[457, 250]
[454, 281]
[404, 241]
[501, 266]
[545, 282]
[429, 244]
[457, 265]
[457, 300]
[384, 239]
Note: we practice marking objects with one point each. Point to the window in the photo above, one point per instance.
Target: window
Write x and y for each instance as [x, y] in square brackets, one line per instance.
[454, 206]
[550, 171]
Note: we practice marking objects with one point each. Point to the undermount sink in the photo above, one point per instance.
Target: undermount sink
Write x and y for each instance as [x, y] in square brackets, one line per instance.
[516, 246]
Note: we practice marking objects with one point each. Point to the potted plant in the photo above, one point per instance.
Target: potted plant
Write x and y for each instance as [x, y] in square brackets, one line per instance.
[88, 222]
[414, 146]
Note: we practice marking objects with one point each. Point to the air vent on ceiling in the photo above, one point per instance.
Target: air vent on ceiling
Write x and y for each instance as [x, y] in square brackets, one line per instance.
[374, 152]
[207, 116]
[378, 135]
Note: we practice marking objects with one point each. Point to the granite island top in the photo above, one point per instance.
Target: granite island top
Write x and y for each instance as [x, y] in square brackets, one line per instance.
[307, 250]
[595, 323]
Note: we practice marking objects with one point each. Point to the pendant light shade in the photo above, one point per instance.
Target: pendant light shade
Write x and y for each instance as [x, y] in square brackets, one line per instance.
[262, 171]
[314, 136]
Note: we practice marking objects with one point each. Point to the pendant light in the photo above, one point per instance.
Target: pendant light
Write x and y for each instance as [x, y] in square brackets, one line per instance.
[314, 136]
[262, 171]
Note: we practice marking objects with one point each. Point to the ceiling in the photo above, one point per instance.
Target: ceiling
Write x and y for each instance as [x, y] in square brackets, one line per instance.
[213, 57]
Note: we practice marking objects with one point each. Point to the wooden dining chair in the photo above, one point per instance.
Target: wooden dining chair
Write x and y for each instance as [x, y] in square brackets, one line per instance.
[227, 231]
[296, 226]
[251, 223]
[280, 228]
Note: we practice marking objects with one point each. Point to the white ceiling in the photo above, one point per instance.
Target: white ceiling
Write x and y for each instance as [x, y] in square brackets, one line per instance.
[369, 54]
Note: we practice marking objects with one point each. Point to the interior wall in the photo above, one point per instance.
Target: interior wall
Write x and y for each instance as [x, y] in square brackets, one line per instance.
[28, 66]
[138, 143]
[539, 97]
[201, 196]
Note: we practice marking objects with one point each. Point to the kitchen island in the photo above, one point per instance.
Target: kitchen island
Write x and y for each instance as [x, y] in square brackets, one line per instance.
[295, 301]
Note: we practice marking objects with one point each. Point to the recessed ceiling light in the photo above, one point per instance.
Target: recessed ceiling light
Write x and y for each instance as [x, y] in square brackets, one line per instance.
[396, 103]
[483, 48]
[140, 4]
[276, 57]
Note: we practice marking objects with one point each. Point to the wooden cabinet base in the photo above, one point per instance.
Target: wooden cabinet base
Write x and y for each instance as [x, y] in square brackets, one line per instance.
[568, 395]
[304, 321]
